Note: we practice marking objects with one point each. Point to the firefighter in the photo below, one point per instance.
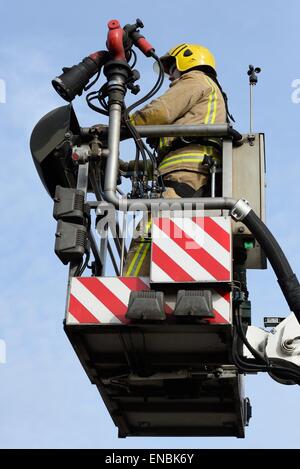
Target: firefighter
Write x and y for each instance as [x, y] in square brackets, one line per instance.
[194, 97]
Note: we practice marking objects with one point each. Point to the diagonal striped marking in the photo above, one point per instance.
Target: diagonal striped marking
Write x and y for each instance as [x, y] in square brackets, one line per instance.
[105, 295]
[171, 248]
[173, 269]
[71, 319]
[158, 274]
[222, 303]
[218, 319]
[209, 263]
[169, 307]
[92, 304]
[214, 230]
[80, 312]
[226, 296]
[203, 239]
[223, 222]
[135, 283]
[117, 287]
[201, 255]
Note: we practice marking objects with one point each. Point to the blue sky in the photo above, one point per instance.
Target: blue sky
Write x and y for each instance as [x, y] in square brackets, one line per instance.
[46, 400]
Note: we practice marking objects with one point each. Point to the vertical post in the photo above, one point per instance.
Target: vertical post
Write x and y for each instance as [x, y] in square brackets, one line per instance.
[82, 178]
[112, 166]
[251, 110]
[117, 73]
[227, 168]
[123, 242]
[252, 74]
[213, 179]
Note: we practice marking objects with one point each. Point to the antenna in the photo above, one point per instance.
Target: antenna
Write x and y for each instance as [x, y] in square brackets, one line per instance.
[252, 73]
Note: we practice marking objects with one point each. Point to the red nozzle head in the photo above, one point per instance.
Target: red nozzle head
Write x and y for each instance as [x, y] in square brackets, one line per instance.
[113, 24]
[145, 46]
[114, 41]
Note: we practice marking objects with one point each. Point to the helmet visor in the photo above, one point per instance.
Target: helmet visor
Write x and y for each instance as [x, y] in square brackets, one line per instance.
[167, 62]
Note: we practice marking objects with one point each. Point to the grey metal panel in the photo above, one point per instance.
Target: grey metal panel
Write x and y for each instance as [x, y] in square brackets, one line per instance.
[248, 182]
[262, 172]
[248, 176]
[256, 258]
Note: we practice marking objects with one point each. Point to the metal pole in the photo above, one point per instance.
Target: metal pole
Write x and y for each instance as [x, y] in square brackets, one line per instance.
[213, 179]
[104, 241]
[215, 130]
[251, 109]
[216, 203]
[112, 167]
[82, 178]
[123, 243]
[252, 74]
[201, 130]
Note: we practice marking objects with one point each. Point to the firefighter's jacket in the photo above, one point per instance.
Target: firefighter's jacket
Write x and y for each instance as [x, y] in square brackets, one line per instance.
[192, 99]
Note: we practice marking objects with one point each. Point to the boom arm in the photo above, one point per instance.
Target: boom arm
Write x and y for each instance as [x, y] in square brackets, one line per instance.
[280, 347]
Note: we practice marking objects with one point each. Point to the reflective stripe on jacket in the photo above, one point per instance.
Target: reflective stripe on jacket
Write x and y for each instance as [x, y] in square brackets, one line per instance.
[188, 158]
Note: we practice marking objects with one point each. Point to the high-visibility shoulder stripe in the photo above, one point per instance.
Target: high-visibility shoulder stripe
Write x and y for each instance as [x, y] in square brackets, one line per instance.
[215, 103]
[206, 120]
[212, 103]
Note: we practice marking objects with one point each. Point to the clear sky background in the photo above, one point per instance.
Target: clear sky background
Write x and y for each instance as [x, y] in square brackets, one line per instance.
[46, 400]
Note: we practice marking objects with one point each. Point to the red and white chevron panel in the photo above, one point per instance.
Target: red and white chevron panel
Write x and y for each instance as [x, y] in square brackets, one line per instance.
[104, 300]
[189, 249]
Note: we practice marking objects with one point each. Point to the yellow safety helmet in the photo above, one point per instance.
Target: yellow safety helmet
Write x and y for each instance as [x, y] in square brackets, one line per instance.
[188, 56]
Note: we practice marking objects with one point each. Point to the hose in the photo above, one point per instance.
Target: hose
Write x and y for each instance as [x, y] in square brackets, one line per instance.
[286, 278]
[142, 149]
[153, 90]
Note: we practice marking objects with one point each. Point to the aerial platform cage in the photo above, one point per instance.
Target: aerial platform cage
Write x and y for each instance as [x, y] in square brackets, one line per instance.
[159, 348]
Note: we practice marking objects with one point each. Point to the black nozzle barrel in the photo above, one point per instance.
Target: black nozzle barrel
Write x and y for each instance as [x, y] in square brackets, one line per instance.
[73, 80]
